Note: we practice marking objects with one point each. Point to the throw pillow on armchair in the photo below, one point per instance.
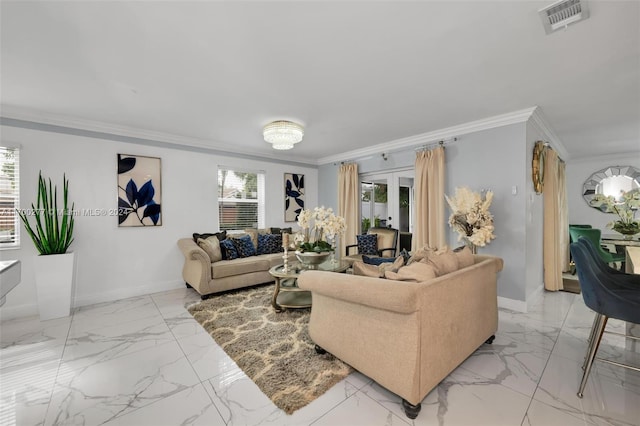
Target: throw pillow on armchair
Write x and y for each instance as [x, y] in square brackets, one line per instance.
[367, 244]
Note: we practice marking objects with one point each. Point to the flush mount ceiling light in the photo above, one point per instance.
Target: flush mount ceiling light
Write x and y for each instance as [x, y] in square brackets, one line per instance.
[283, 134]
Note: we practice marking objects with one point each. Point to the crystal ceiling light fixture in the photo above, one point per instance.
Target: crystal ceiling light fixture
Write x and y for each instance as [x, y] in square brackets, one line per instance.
[283, 134]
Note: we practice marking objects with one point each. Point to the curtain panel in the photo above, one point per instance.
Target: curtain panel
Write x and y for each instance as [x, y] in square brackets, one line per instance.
[429, 226]
[349, 203]
[556, 223]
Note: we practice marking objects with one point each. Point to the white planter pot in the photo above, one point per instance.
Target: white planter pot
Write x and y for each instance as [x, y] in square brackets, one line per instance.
[54, 282]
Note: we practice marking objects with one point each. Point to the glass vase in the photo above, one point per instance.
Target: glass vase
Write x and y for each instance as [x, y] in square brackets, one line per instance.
[333, 251]
[628, 230]
[472, 247]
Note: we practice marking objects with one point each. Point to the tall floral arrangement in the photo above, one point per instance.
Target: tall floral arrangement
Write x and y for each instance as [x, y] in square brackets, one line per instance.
[317, 236]
[624, 207]
[470, 216]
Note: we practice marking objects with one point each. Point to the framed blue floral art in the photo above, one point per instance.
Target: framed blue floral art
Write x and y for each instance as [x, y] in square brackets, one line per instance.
[139, 191]
[293, 196]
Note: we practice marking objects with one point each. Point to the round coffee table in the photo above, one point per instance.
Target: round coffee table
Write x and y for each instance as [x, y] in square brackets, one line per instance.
[287, 294]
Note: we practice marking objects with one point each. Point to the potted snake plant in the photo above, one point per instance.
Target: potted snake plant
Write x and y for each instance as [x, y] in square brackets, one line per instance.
[52, 234]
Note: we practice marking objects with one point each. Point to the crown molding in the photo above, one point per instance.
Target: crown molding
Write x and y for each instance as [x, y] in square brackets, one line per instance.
[436, 135]
[102, 129]
[622, 158]
[61, 121]
[542, 125]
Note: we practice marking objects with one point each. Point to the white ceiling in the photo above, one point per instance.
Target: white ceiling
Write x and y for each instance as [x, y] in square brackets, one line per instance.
[356, 74]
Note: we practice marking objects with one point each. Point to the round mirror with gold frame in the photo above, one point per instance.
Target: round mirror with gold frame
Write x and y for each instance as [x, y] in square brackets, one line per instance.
[537, 166]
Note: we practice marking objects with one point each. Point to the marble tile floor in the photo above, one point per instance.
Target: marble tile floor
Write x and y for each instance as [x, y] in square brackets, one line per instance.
[145, 361]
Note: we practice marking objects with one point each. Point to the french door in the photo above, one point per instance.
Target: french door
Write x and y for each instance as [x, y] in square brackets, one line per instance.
[387, 201]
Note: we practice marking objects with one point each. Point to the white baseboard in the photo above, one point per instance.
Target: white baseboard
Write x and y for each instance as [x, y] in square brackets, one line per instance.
[511, 304]
[31, 309]
[20, 311]
[536, 294]
[110, 296]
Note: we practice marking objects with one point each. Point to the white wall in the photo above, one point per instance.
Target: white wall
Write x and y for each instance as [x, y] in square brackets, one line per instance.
[534, 222]
[495, 159]
[328, 186]
[112, 262]
[577, 172]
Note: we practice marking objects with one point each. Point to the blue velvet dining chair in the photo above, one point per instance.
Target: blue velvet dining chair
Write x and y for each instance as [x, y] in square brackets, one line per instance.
[608, 296]
[631, 279]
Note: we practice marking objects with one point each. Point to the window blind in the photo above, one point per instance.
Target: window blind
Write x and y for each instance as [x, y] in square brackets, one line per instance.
[9, 197]
[241, 196]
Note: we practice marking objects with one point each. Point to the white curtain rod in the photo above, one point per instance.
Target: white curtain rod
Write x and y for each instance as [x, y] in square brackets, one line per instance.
[442, 142]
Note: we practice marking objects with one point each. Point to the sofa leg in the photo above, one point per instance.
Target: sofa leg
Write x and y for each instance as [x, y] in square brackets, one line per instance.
[319, 350]
[490, 340]
[205, 296]
[188, 285]
[411, 410]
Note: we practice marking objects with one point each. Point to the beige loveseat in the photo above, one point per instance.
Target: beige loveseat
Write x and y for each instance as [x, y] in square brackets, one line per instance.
[208, 277]
[406, 336]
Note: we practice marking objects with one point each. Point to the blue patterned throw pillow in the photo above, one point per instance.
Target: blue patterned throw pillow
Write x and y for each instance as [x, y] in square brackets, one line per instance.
[377, 260]
[244, 246]
[269, 243]
[228, 249]
[367, 243]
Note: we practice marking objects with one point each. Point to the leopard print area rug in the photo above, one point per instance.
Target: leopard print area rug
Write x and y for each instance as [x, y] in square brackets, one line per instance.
[273, 349]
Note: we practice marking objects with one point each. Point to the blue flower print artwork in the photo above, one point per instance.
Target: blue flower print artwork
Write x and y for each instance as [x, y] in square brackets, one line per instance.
[293, 196]
[139, 191]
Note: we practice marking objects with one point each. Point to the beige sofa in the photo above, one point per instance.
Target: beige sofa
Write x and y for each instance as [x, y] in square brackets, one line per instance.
[406, 336]
[207, 278]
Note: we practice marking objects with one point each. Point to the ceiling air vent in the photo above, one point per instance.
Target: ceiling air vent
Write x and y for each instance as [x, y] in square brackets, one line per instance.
[562, 13]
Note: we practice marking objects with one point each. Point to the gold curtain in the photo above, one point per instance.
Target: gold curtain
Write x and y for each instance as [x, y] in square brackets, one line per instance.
[348, 203]
[563, 217]
[556, 226]
[429, 226]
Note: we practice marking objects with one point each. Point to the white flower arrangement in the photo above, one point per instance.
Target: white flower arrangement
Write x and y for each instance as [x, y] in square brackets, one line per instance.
[470, 216]
[326, 227]
[624, 206]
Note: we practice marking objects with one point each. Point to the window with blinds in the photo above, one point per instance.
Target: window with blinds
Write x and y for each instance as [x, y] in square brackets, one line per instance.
[9, 197]
[240, 199]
